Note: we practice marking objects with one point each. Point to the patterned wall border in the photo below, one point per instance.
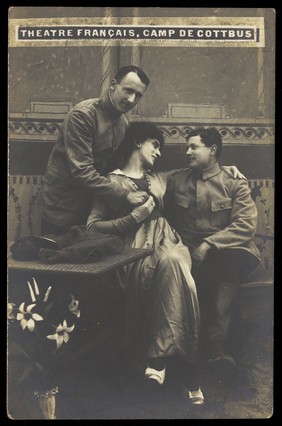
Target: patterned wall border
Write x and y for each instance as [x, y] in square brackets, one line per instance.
[20, 129]
[231, 134]
[48, 130]
[43, 123]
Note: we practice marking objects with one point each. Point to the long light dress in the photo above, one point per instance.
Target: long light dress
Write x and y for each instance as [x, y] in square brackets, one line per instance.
[162, 310]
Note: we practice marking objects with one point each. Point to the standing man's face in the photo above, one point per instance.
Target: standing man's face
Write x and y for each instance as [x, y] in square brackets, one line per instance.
[127, 93]
[199, 156]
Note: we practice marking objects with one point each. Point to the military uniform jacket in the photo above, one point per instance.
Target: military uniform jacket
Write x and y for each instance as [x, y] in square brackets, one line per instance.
[91, 133]
[211, 206]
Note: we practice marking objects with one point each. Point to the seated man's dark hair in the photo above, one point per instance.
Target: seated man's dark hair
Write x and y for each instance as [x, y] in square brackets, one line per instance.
[209, 137]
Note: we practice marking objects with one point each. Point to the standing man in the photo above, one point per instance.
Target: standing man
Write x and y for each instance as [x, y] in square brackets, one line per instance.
[216, 218]
[91, 133]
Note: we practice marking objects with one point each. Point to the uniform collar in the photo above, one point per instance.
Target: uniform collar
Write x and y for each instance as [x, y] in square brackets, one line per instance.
[210, 171]
[109, 106]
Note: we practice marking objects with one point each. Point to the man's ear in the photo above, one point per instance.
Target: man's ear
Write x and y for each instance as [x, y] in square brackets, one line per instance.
[138, 144]
[113, 84]
[213, 150]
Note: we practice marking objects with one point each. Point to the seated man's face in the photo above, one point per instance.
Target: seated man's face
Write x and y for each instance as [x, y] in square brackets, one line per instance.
[199, 156]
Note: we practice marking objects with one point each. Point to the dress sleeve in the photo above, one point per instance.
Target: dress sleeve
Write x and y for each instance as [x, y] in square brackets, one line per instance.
[99, 219]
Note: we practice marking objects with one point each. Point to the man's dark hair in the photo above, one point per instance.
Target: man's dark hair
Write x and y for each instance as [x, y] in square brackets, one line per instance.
[209, 137]
[122, 72]
[137, 133]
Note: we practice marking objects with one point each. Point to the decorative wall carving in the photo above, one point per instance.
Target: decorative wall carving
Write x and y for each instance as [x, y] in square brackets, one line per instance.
[21, 128]
[229, 133]
[43, 122]
[259, 133]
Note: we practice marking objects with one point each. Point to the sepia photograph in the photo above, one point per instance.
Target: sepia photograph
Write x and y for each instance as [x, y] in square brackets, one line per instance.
[140, 241]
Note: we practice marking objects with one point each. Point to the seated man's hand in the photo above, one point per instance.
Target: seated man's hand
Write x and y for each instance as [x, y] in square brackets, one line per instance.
[200, 253]
[234, 172]
[140, 213]
[137, 198]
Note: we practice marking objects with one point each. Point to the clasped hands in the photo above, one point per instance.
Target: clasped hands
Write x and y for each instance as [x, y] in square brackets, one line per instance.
[144, 210]
[135, 198]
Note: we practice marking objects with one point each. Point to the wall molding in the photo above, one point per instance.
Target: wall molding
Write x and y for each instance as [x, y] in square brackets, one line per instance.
[231, 134]
[43, 122]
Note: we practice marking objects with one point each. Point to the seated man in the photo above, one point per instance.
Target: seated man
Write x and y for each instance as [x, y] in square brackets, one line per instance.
[216, 218]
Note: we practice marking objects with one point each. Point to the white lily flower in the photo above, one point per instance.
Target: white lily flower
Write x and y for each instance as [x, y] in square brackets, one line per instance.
[47, 294]
[33, 299]
[73, 307]
[36, 289]
[32, 316]
[61, 336]
[10, 309]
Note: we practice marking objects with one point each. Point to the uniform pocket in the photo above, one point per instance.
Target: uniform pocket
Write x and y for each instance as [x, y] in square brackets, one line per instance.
[221, 212]
[182, 200]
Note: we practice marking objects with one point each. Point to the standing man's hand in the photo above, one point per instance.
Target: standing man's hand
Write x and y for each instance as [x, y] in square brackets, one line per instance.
[137, 198]
[233, 172]
[200, 253]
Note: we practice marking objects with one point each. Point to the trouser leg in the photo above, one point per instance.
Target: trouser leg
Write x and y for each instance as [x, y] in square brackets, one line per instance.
[217, 280]
[220, 314]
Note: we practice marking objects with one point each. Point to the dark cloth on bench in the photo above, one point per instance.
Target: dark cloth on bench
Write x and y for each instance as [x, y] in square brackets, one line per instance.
[90, 250]
[78, 245]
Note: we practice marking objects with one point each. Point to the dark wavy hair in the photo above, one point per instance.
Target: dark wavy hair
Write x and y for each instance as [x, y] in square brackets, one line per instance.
[122, 72]
[136, 133]
[209, 137]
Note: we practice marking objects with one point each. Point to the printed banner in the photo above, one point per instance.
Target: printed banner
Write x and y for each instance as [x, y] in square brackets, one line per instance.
[210, 31]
